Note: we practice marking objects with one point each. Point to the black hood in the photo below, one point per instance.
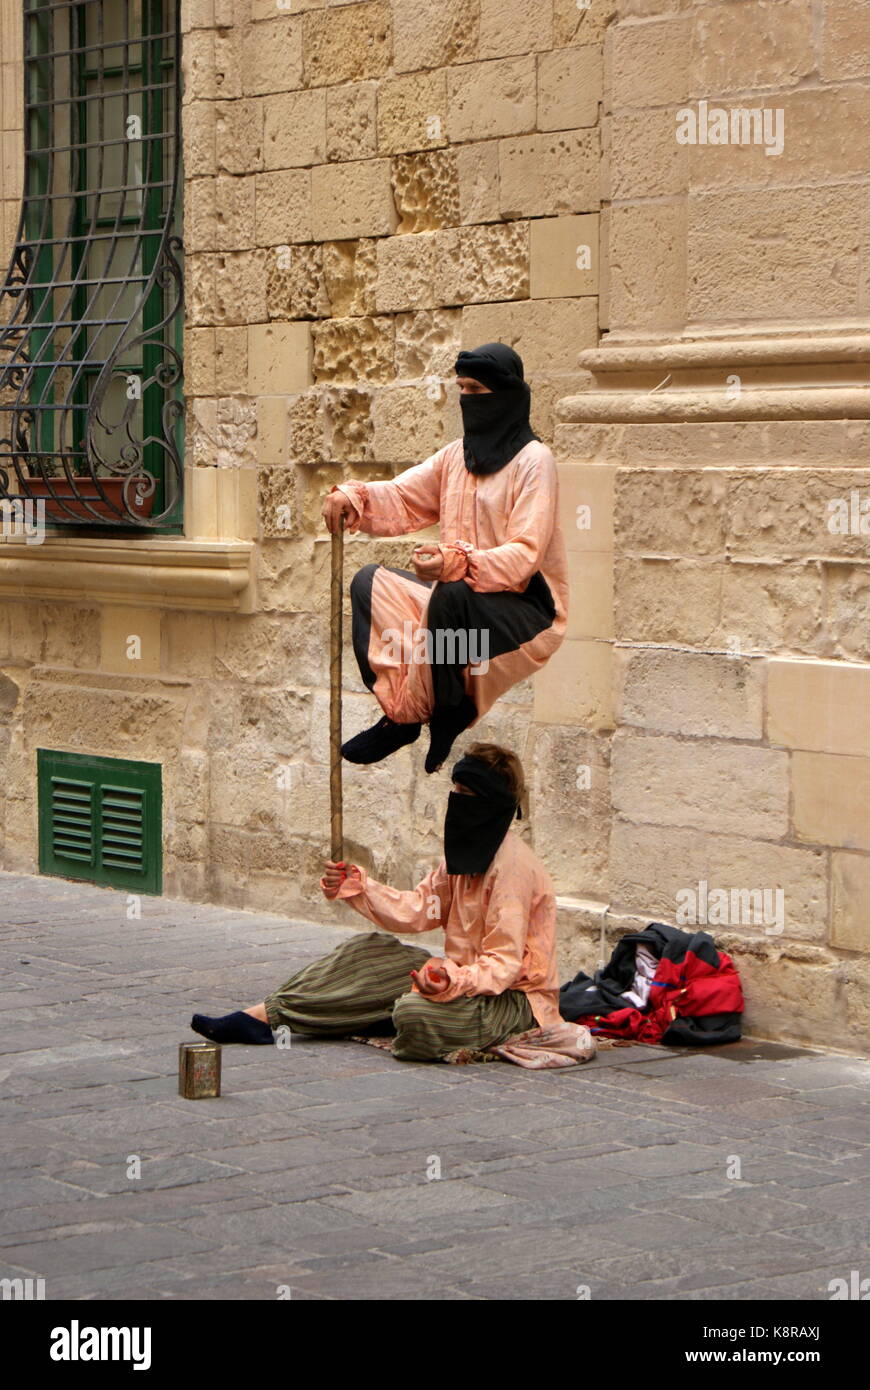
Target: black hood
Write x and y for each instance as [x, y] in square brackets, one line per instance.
[496, 424]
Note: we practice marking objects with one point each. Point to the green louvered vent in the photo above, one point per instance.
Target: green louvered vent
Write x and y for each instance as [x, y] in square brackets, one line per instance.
[72, 820]
[122, 843]
[100, 819]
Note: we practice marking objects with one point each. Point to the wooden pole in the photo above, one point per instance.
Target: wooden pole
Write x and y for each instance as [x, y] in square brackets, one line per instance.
[335, 640]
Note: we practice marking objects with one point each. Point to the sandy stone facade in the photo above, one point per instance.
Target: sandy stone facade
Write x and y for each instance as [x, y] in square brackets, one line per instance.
[370, 187]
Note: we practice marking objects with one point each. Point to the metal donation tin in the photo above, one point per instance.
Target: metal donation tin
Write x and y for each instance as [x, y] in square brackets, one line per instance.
[199, 1070]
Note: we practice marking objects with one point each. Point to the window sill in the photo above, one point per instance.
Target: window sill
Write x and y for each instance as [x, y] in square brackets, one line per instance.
[155, 571]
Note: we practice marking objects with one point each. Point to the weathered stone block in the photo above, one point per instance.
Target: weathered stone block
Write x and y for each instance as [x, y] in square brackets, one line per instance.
[474, 264]
[277, 502]
[547, 333]
[761, 254]
[570, 806]
[295, 284]
[188, 650]
[780, 52]
[514, 26]
[354, 350]
[411, 112]
[238, 136]
[847, 610]
[408, 424]
[477, 172]
[846, 40]
[294, 129]
[648, 291]
[348, 425]
[434, 33]
[283, 207]
[405, 272]
[788, 512]
[491, 99]
[570, 83]
[230, 360]
[645, 159]
[199, 361]
[573, 25]
[350, 270]
[305, 436]
[198, 131]
[691, 693]
[346, 43]
[236, 435]
[772, 608]
[352, 200]
[650, 63]
[351, 121]
[427, 343]
[426, 190]
[725, 787]
[672, 511]
[667, 600]
[548, 175]
[650, 865]
[271, 56]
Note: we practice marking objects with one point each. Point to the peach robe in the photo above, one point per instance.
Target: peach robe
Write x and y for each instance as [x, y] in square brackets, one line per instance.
[497, 532]
[499, 926]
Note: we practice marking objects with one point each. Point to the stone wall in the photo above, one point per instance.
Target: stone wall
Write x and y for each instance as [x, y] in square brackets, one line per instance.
[722, 663]
[369, 187]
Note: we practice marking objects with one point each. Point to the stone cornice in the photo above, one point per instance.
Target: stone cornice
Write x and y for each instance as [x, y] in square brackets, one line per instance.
[685, 406]
[155, 571]
[699, 354]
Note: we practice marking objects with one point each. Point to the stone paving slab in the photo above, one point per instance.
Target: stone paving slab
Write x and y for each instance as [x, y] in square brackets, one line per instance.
[652, 1173]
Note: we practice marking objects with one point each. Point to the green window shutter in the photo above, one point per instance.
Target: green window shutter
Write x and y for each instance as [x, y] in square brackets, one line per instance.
[100, 819]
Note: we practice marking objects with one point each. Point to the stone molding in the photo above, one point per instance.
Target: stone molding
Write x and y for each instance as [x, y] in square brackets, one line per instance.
[164, 572]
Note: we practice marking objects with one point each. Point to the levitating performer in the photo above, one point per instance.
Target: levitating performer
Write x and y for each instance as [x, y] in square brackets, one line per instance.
[495, 903]
[488, 605]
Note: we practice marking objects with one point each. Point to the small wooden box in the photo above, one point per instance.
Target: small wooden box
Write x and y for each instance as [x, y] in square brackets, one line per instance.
[199, 1070]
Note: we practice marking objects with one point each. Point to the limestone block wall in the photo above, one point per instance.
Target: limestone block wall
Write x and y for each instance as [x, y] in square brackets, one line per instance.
[368, 187]
[722, 669]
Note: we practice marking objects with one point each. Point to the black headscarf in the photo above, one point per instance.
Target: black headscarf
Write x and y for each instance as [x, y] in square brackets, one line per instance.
[496, 425]
[475, 826]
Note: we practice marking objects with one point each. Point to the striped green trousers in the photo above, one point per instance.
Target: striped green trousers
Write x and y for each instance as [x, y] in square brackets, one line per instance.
[365, 982]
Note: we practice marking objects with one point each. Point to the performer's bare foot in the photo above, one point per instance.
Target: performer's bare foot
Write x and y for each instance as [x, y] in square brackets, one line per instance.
[378, 742]
[445, 726]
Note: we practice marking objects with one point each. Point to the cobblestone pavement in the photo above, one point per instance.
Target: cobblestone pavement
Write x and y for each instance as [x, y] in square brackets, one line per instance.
[312, 1169]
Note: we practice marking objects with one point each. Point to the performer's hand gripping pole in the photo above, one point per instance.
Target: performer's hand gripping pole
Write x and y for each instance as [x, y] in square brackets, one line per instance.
[335, 806]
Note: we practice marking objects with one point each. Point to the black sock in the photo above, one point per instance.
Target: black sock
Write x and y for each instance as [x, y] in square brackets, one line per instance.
[445, 726]
[232, 1028]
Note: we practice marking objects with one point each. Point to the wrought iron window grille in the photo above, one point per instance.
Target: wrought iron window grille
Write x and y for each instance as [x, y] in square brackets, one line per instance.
[91, 370]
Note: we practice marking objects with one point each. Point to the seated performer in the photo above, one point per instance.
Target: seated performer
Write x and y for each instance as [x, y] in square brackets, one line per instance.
[498, 607]
[495, 903]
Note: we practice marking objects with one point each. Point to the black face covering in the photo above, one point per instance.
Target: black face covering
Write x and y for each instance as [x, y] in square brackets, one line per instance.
[496, 425]
[475, 826]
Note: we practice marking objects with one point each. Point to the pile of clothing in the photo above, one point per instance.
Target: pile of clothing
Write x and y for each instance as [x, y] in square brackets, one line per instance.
[661, 985]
